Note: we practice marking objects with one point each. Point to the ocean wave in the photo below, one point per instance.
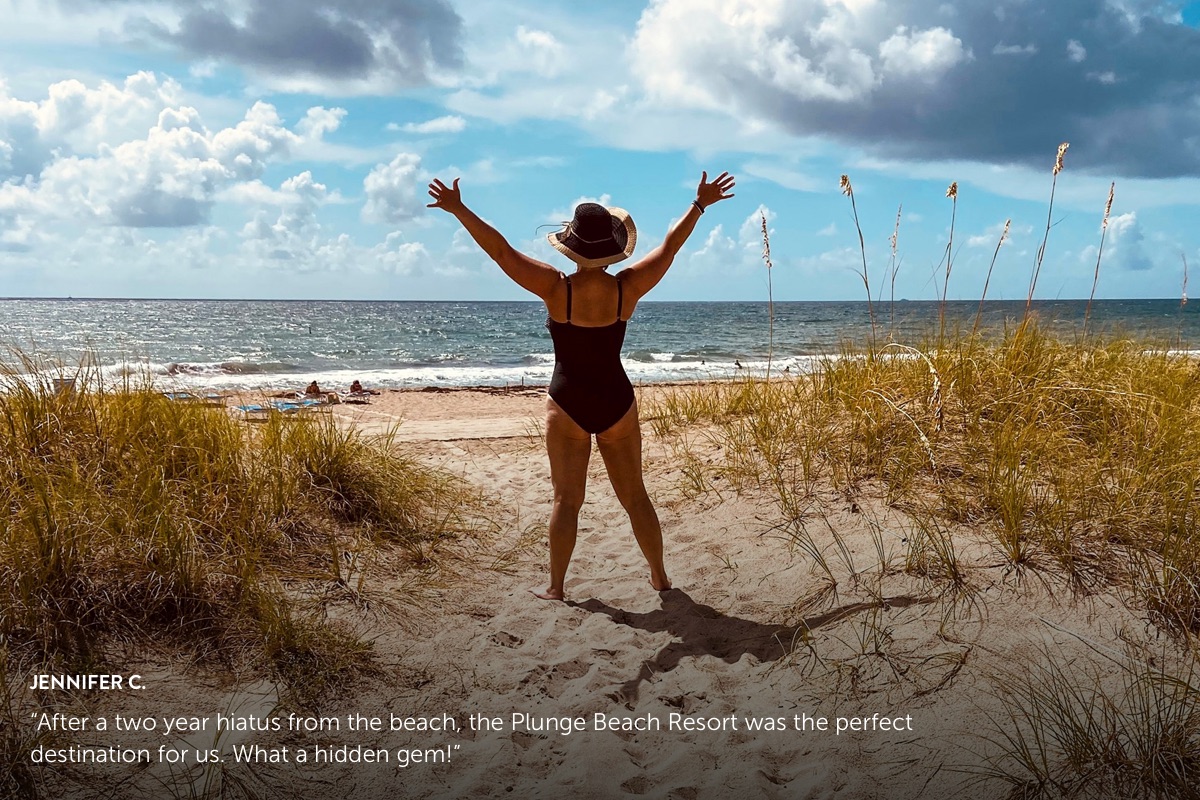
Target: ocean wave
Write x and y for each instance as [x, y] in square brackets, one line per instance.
[534, 370]
[230, 368]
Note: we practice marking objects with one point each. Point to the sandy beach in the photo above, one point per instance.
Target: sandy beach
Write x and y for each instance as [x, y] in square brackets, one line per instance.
[902, 293]
[749, 631]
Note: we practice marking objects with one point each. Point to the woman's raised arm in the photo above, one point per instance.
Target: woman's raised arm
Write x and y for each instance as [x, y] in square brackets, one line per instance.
[531, 274]
[645, 274]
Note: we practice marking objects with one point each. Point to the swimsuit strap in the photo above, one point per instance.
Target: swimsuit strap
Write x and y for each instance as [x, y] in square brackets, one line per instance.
[568, 298]
[618, 298]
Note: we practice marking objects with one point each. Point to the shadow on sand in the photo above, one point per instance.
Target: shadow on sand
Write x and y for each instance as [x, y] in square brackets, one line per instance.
[701, 630]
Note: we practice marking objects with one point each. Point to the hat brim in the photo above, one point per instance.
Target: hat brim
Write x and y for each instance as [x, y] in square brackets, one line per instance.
[622, 218]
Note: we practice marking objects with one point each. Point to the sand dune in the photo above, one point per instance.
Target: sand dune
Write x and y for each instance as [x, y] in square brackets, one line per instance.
[735, 637]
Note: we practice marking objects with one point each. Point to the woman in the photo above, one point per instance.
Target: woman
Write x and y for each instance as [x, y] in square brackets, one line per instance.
[590, 393]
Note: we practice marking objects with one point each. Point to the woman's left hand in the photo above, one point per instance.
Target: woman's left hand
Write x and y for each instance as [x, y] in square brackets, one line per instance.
[709, 193]
[445, 197]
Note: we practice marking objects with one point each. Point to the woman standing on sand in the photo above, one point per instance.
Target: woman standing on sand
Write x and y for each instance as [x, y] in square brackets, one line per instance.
[590, 392]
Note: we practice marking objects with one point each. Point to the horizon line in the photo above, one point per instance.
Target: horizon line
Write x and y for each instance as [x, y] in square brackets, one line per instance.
[72, 298]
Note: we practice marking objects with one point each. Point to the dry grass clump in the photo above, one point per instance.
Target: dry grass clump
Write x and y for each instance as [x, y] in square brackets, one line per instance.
[1069, 733]
[1081, 457]
[126, 515]
[1077, 459]
[17, 775]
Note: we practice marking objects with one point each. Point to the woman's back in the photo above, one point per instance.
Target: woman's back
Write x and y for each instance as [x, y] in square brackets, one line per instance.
[594, 296]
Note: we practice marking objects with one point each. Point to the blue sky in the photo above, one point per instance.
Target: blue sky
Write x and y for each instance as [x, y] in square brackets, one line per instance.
[281, 148]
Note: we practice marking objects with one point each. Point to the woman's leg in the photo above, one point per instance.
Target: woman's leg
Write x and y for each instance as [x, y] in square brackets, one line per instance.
[621, 447]
[569, 447]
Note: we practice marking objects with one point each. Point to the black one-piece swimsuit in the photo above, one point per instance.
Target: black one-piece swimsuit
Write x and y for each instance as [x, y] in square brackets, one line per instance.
[589, 382]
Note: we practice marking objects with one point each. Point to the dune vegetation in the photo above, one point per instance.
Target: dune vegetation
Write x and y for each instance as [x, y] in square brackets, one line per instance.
[1075, 461]
[128, 517]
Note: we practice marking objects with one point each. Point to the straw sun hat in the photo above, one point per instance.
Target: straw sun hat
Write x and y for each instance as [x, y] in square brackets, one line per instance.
[597, 236]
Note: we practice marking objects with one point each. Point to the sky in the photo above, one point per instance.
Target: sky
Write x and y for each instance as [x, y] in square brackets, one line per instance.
[282, 148]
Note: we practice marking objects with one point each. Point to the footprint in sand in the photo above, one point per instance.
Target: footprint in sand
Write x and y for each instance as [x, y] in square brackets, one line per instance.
[553, 679]
[506, 639]
[523, 739]
[639, 784]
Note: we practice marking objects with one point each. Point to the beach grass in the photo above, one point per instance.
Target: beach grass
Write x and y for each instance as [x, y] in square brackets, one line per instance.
[1125, 730]
[128, 517]
[1076, 460]
[1075, 463]
[1080, 457]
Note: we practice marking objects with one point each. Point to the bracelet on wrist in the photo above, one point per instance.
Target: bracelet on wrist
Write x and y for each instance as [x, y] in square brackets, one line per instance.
[699, 207]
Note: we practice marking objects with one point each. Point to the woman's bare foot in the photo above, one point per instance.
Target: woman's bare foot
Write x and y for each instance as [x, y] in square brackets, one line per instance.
[548, 594]
[661, 583]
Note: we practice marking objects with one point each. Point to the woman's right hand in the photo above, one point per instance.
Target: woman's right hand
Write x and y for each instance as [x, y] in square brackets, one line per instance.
[445, 197]
[709, 193]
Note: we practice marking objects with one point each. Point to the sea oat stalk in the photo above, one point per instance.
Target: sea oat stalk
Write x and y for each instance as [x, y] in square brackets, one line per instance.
[1183, 297]
[988, 279]
[1041, 253]
[894, 266]
[1096, 278]
[766, 255]
[848, 190]
[952, 193]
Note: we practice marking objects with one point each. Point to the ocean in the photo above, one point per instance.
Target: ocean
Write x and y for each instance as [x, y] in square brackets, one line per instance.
[257, 344]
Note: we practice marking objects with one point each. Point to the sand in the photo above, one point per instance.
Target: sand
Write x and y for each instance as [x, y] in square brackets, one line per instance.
[749, 631]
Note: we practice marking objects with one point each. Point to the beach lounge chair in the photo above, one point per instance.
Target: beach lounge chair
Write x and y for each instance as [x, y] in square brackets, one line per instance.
[253, 412]
[315, 406]
[183, 397]
[357, 398]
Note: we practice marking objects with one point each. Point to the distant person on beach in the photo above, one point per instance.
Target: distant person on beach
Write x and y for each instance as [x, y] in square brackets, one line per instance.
[590, 394]
[313, 389]
[356, 388]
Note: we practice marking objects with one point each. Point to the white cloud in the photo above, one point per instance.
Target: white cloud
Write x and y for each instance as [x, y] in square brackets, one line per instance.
[717, 254]
[723, 254]
[782, 175]
[922, 54]
[392, 190]
[558, 215]
[1002, 49]
[293, 232]
[1080, 192]
[398, 257]
[76, 120]
[17, 234]
[988, 238]
[731, 43]
[319, 121]
[541, 51]
[78, 163]
[888, 75]
[841, 260]
[1125, 248]
[1076, 51]
[448, 124]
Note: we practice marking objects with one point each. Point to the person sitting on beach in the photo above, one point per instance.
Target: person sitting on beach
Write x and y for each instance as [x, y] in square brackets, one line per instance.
[590, 394]
[356, 388]
[313, 389]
